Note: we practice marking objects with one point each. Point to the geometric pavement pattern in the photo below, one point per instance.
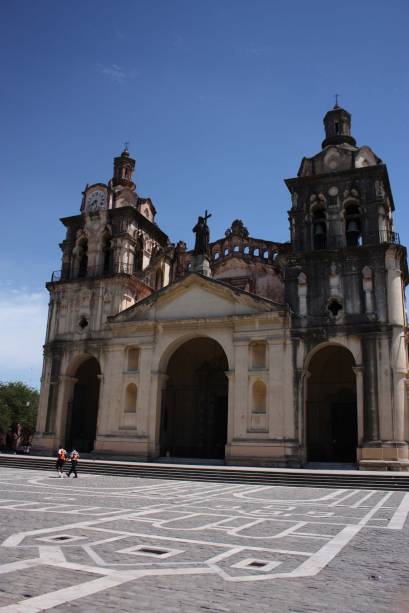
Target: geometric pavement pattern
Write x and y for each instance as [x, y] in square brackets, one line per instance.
[241, 533]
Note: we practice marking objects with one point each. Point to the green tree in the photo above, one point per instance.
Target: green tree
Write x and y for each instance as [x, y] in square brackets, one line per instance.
[18, 405]
[5, 418]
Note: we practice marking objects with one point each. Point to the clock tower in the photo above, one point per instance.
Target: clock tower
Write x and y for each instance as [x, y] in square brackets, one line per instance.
[113, 255]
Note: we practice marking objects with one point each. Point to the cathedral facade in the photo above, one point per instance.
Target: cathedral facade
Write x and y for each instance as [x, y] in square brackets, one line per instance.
[242, 350]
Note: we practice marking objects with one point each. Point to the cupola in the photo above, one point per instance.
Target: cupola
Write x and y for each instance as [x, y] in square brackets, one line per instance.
[124, 166]
[337, 124]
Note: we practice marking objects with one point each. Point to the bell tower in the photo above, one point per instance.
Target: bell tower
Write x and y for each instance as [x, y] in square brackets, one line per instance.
[345, 283]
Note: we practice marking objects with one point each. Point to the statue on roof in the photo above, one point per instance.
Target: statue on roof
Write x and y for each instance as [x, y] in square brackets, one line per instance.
[202, 232]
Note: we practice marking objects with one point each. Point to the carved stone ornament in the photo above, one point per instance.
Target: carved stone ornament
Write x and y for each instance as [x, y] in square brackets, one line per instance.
[237, 229]
[302, 278]
[367, 272]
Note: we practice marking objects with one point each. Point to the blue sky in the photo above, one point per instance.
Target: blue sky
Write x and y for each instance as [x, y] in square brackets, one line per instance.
[220, 100]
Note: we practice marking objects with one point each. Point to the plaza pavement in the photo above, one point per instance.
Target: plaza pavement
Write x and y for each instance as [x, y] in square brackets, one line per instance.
[104, 543]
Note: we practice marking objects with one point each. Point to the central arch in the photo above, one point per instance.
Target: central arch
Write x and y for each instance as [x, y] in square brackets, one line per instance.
[194, 402]
[332, 421]
[83, 410]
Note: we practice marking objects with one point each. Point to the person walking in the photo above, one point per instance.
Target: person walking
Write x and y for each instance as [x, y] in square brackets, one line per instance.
[61, 457]
[74, 461]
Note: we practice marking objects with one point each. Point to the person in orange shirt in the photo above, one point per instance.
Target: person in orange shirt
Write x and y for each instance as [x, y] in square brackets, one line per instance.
[61, 457]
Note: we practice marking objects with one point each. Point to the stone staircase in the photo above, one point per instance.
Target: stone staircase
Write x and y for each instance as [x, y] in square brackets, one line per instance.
[345, 479]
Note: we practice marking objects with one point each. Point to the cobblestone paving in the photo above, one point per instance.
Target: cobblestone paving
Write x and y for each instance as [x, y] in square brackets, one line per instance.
[104, 543]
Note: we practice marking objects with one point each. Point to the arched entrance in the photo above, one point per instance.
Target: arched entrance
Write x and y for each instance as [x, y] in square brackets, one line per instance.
[83, 410]
[332, 423]
[194, 403]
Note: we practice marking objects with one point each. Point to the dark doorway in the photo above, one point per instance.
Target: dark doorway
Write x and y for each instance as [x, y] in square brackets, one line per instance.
[83, 410]
[332, 425]
[194, 403]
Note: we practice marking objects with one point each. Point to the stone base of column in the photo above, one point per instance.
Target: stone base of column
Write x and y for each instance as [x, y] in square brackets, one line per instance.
[45, 443]
[385, 455]
[128, 444]
[269, 454]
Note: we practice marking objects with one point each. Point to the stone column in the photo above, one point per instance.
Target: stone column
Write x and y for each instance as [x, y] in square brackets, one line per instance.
[370, 378]
[110, 395]
[51, 407]
[302, 294]
[158, 383]
[395, 290]
[300, 417]
[231, 432]
[399, 379]
[66, 394]
[359, 378]
[367, 285]
[44, 393]
[100, 398]
[238, 391]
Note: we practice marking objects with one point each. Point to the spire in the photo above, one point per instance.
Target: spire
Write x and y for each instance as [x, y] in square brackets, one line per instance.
[337, 124]
[124, 166]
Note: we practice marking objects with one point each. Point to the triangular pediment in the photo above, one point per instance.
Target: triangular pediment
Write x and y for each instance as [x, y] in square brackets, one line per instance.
[196, 297]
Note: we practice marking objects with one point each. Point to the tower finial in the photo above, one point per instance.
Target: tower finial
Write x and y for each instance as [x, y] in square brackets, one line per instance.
[126, 150]
[336, 101]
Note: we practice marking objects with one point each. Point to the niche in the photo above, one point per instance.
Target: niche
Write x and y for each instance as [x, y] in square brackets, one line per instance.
[259, 397]
[128, 419]
[258, 352]
[131, 397]
[133, 359]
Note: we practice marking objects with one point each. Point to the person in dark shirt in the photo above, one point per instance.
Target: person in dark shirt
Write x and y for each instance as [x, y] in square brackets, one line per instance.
[74, 461]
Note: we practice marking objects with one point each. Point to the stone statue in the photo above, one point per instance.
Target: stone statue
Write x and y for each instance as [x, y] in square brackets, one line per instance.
[201, 230]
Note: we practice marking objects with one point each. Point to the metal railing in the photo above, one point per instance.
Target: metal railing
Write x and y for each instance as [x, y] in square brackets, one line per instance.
[92, 272]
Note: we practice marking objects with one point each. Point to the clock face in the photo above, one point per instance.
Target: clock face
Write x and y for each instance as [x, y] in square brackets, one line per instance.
[96, 200]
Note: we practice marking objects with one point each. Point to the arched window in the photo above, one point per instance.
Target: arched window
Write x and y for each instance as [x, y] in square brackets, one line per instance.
[133, 359]
[226, 251]
[353, 228]
[319, 229]
[131, 397]
[216, 255]
[256, 252]
[246, 250]
[236, 248]
[259, 397]
[83, 257]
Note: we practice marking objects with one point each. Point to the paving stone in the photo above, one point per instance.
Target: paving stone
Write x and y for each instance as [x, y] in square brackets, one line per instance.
[103, 543]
